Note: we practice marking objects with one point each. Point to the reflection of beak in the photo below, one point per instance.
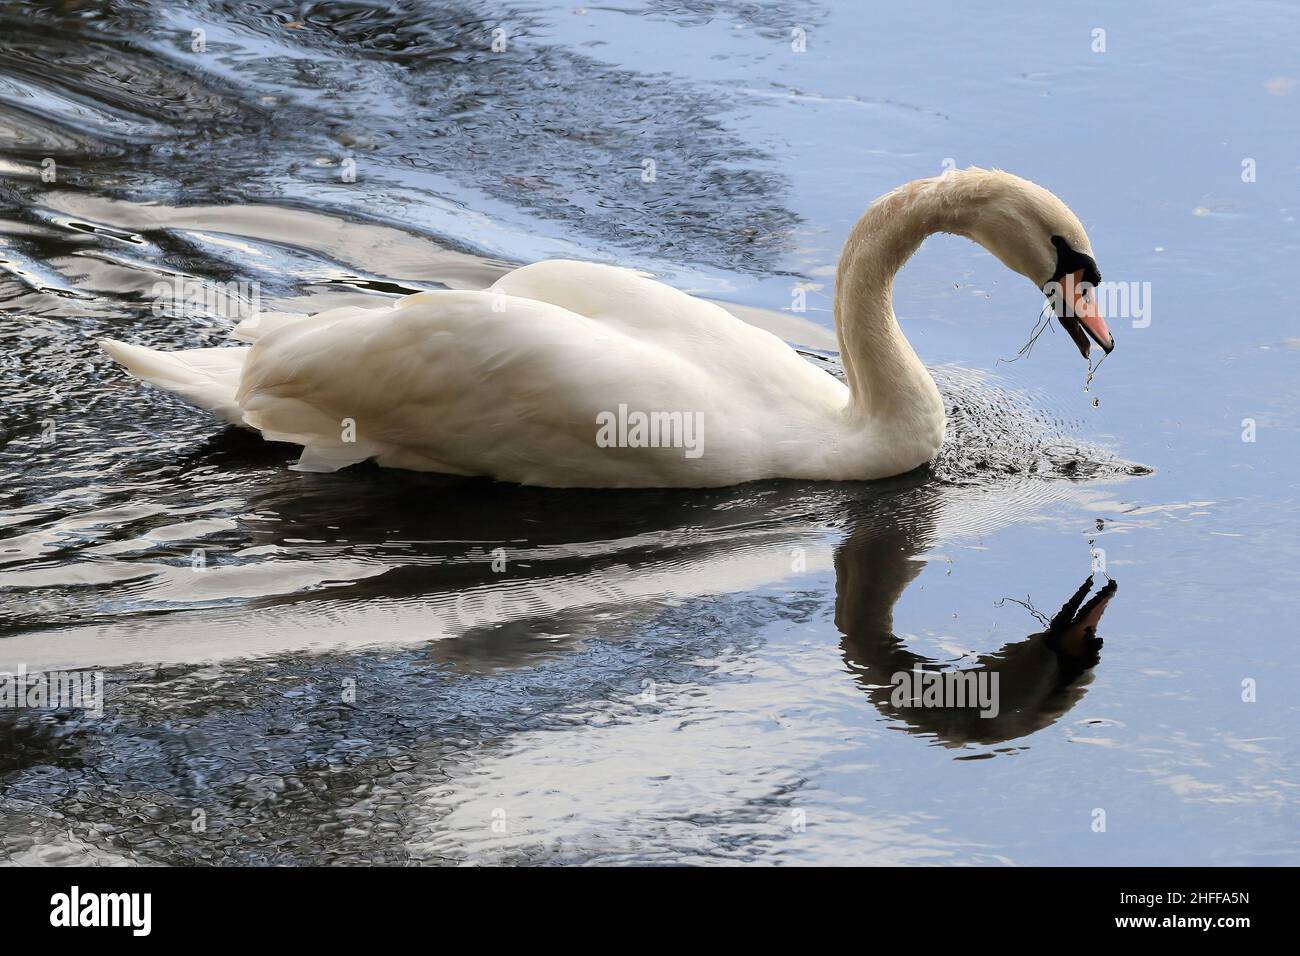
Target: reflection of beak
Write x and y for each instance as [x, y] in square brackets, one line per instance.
[1083, 315]
[1074, 629]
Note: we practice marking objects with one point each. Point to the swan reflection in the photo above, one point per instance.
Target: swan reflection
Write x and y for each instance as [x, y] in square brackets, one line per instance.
[484, 577]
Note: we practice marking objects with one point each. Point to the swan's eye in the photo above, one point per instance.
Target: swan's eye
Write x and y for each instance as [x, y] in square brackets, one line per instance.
[1069, 261]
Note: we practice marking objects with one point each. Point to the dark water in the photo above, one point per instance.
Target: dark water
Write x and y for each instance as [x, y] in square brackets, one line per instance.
[682, 676]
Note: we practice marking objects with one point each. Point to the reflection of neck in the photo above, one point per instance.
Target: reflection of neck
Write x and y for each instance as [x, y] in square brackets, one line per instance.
[874, 565]
[884, 374]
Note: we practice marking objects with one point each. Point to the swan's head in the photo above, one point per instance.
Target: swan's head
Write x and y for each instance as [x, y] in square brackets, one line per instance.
[1032, 232]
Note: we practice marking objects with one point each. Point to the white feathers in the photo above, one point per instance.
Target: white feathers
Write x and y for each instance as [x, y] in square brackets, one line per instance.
[207, 378]
[513, 382]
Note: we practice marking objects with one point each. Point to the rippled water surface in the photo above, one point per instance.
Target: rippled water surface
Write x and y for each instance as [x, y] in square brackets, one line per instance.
[329, 668]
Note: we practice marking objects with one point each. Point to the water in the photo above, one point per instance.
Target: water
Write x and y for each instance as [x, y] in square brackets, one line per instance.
[327, 668]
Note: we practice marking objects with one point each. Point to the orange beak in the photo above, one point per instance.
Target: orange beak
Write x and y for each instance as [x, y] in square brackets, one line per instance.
[1083, 315]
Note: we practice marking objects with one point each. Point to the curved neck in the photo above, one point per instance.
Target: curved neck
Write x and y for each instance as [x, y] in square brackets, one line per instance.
[885, 376]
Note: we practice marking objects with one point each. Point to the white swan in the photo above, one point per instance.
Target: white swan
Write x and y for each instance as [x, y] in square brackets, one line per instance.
[571, 374]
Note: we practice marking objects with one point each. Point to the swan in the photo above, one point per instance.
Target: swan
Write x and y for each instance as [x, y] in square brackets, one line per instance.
[574, 374]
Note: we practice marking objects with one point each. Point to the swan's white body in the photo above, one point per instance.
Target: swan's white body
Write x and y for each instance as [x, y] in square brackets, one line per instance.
[515, 382]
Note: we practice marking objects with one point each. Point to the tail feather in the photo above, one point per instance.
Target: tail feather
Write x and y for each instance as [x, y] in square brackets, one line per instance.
[208, 378]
